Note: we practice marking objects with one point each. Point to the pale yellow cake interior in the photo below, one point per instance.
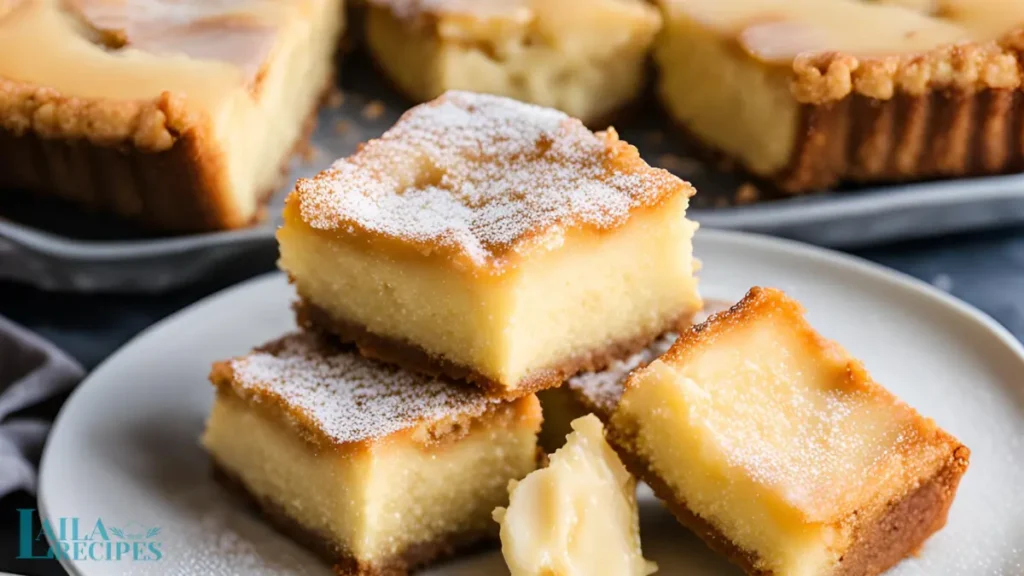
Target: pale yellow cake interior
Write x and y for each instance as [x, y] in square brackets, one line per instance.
[576, 516]
[583, 57]
[726, 67]
[301, 38]
[593, 290]
[770, 436]
[376, 500]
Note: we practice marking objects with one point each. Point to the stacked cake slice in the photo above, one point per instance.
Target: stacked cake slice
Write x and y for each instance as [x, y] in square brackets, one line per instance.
[479, 251]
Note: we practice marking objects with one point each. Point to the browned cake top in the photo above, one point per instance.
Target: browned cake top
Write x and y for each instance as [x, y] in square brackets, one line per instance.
[241, 32]
[798, 413]
[479, 176]
[341, 396]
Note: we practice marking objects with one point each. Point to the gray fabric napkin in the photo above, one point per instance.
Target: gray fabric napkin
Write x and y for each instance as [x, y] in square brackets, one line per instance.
[31, 370]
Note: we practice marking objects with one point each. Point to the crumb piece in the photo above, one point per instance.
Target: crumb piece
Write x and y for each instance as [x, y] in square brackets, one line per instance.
[335, 99]
[721, 202]
[747, 193]
[374, 110]
[680, 165]
[342, 127]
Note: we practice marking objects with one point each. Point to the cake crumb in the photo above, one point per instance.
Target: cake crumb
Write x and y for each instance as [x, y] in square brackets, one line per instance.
[373, 110]
[722, 202]
[680, 165]
[335, 99]
[342, 127]
[747, 193]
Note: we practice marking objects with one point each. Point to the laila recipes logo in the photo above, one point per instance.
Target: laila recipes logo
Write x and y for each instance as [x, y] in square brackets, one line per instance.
[71, 538]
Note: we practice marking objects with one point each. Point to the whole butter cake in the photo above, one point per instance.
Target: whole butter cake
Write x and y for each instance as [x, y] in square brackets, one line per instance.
[378, 469]
[584, 57]
[180, 115]
[811, 93]
[446, 243]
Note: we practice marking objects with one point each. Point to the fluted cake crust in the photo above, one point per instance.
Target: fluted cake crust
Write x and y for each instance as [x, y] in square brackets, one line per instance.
[153, 162]
[955, 111]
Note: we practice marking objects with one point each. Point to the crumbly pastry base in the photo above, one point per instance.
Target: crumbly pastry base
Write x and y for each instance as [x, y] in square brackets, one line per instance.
[344, 564]
[151, 162]
[880, 542]
[952, 112]
[939, 135]
[411, 357]
[957, 111]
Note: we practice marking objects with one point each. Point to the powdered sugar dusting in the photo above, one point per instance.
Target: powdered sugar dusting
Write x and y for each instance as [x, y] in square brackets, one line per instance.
[480, 175]
[348, 397]
[603, 389]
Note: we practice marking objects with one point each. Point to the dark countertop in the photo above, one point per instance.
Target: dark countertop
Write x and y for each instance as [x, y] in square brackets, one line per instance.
[986, 270]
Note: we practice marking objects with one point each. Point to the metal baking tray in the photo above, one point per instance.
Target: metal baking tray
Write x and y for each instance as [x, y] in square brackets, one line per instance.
[58, 247]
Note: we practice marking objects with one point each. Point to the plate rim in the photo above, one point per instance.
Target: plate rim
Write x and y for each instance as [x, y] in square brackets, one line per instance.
[737, 239]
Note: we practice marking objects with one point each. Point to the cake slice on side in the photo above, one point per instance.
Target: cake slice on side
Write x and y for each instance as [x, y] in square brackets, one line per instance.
[377, 469]
[584, 57]
[179, 115]
[576, 516]
[778, 449]
[493, 241]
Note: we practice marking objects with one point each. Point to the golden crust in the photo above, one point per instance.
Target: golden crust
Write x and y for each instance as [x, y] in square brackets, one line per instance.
[155, 162]
[941, 134]
[951, 112]
[821, 78]
[147, 125]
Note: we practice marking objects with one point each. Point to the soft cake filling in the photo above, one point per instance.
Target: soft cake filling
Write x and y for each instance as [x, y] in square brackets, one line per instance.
[578, 515]
[374, 501]
[550, 53]
[766, 436]
[590, 292]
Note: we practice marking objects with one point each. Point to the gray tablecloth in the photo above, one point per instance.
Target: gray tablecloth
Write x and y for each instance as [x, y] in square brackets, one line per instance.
[31, 370]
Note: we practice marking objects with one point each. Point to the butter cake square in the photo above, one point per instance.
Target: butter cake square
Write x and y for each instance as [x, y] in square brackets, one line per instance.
[778, 449]
[178, 115]
[809, 94]
[378, 469]
[584, 57]
[494, 241]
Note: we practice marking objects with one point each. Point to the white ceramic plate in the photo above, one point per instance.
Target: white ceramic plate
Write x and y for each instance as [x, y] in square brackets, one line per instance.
[125, 449]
